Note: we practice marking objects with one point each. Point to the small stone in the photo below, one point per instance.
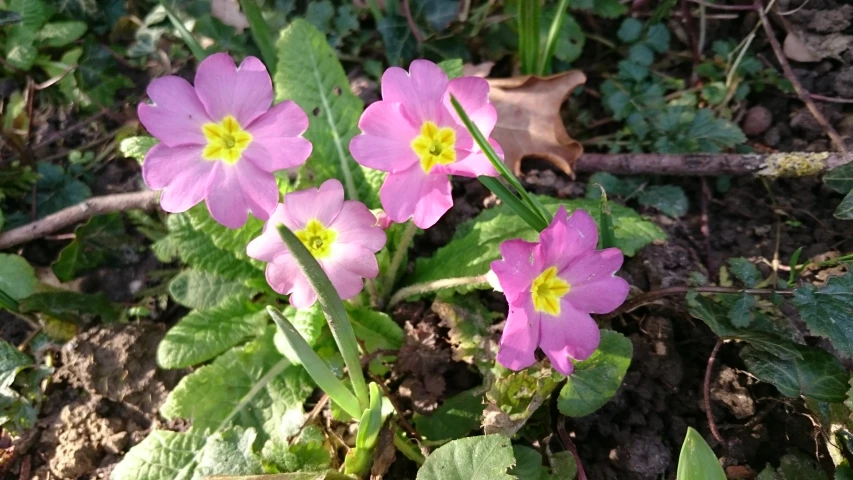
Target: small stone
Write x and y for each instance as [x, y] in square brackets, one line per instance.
[758, 120]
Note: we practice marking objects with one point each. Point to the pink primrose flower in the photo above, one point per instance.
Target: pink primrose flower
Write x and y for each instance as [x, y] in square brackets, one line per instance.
[341, 234]
[552, 286]
[414, 134]
[220, 141]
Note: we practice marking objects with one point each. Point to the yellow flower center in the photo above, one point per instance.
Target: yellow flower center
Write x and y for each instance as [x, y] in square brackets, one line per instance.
[317, 238]
[435, 146]
[225, 140]
[547, 290]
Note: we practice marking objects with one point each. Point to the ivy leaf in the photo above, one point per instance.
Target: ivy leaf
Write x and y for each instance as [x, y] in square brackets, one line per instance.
[12, 361]
[58, 189]
[95, 242]
[630, 30]
[476, 242]
[844, 211]
[697, 461]
[817, 375]
[137, 147]
[310, 74]
[828, 311]
[33, 12]
[201, 290]
[204, 334]
[840, 178]
[437, 13]
[669, 199]
[230, 452]
[60, 34]
[162, 455]
[745, 271]
[400, 43]
[17, 277]
[474, 458]
[455, 418]
[596, 379]
[21, 53]
[248, 386]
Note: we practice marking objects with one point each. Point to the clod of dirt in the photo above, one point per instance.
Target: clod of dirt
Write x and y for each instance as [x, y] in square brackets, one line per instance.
[830, 20]
[844, 82]
[758, 119]
[643, 458]
[728, 390]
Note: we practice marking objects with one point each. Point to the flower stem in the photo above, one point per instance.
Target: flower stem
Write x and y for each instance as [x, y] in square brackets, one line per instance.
[399, 254]
[434, 286]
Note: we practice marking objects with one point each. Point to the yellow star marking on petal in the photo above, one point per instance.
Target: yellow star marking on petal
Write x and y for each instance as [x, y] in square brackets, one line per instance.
[317, 238]
[225, 140]
[547, 289]
[435, 146]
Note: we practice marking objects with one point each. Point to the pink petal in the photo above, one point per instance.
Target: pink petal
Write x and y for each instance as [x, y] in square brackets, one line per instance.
[246, 93]
[259, 188]
[283, 273]
[420, 91]
[593, 266]
[285, 119]
[164, 164]
[177, 114]
[518, 268]
[273, 154]
[355, 258]
[346, 283]
[520, 337]
[386, 143]
[323, 204]
[356, 224]
[573, 334]
[471, 166]
[413, 193]
[269, 244]
[566, 238]
[302, 295]
[224, 197]
[473, 95]
[187, 189]
[601, 296]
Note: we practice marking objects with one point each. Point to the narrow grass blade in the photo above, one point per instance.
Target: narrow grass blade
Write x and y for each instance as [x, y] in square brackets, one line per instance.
[528, 34]
[195, 47]
[316, 367]
[608, 237]
[333, 307]
[545, 54]
[260, 32]
[509, 199]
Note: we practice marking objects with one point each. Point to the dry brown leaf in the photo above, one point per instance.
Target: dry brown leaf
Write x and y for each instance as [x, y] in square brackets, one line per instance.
[228, 11]
[529, 121]
[796, 50]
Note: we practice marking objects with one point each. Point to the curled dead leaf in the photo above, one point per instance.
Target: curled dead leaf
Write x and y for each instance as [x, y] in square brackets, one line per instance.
[529, 121]
[228, 11]
[796, 50]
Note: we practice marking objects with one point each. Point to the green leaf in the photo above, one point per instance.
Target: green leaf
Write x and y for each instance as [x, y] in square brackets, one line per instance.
[137, 147]
[745, 271]
[474, 458]
[60, 34]
[613, 185]
[376, 329]
[21, 53]
[204, 334]
[596, 379]
[34, 13]
[248, 386]
[70, 306]
[817, 375]
[630, 30]
[641, 54]
[310, 74]
[658, 38]
[455, 418]
[8, 17]
[528, 464]
[840, 178]
[476, 242]
[400, 43]
[12, 361]
[515, 396]
[95, 242]
[570, 41]
[437, 13]
[58, 189]
[201, 290]
[563, 466]
[697, 461]
[320, 14]
[844, 211]
[229, 452]
[713, 134]
[793, 466]
[17, 277]
[828, 311]
[669, 199]
[163, 455]
[452, 67]
[741, 312]
[306, 454]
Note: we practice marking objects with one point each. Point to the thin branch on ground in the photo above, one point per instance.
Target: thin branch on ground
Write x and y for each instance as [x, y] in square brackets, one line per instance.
[652, 295]
[824, 98]
[722, 7]
[793, 164]
[569, 445]
[77, 213]
[795, 82]
[706, 390]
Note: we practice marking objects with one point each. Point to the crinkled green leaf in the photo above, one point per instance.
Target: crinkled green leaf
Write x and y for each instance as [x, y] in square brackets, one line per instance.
[229, 452]
[248, 386]
[741, 312]
[204, 334]
[137, 147]
[95, 242]
[828, 311]
[658, 38]
[455, 418]
[452, 67]
[745, 271]
[201, 290]
[697, 461]
[12, 361]
[485, 457]
[476, 242]
[60, 34]
[669, 199]
[793, 466]
[613, 185]
[310, 74]
[71, 306]
[162, 455]
[17, 277]
[306, 454]
[596, 379]
[468, 321]
[630, 30]
[817, 375]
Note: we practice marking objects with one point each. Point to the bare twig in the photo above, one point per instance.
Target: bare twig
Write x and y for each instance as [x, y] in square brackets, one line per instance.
[652, 295]
[722, 7]
[798, 87]
[712, 424]
[824, 98]
[771, 165]
[407, 12]
[567, 442]
[78, 213]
